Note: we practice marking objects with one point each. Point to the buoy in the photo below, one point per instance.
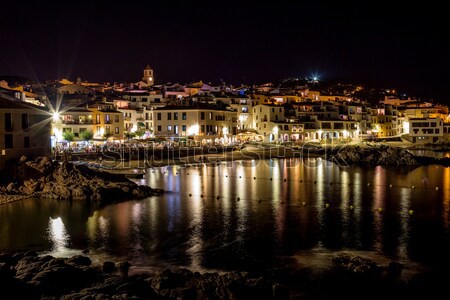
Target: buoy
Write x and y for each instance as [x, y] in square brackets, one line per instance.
[437, 188]
[390, 185]
[303, 203]
[351, 207]
[380, 209]
[238, 199]
[413, 187]
[411, 212]
[190, 195]
[327, 205]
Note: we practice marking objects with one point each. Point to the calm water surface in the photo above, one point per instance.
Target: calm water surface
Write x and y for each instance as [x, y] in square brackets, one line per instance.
[281, 213]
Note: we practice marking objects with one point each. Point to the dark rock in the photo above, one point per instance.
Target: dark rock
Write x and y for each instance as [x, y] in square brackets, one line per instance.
[67, 181]
[379, 155]
[124, 266]
[395, 270]
[6, 271]
[30, 253]
[355, 265]
[6, 258]
[79, 260]
[280, 291]
[108, 267]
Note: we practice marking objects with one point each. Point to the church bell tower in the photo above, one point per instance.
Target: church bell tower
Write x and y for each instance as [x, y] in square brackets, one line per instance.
[148, 75]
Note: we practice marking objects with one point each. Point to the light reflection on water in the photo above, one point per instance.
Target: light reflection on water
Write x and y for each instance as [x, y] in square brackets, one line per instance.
[281, 212]
[58, 235]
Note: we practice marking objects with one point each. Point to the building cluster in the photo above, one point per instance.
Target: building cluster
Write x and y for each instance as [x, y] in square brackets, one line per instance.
[205, 113]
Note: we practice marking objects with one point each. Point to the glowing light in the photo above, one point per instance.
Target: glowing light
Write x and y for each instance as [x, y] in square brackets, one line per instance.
[225, 130]
[275, 129]
[193, 130]
[405, 127]
[55, 116]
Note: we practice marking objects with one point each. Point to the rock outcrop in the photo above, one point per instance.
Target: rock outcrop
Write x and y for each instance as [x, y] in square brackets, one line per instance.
[373, 156]
[66, 181]
[29, 276]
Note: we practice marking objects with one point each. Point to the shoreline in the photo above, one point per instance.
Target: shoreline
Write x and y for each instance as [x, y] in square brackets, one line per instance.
[27, 275]
[353, 155]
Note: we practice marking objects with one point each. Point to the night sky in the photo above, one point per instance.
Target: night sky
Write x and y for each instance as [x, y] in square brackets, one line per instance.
[376, 44]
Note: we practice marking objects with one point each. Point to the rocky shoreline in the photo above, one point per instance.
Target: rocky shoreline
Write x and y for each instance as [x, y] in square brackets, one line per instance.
[30, 276]
[381, 156]
[45, 178]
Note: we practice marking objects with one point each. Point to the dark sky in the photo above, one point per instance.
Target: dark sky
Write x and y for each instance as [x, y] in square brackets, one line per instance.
[406, 47]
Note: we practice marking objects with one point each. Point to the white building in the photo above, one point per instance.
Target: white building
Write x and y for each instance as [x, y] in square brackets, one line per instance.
[202, 122]
[426, 130]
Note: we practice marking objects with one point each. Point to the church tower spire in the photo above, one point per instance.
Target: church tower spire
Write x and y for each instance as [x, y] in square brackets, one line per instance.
[148, 75]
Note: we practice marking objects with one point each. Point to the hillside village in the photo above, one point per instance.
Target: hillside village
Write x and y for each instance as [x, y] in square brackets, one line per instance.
[82, 116]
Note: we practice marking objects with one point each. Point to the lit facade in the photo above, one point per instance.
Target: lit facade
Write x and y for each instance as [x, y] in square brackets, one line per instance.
[24, 130]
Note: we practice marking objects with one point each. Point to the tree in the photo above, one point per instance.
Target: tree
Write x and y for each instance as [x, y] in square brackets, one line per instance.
[129, 135]
[107, 134]
[87, 135]
[68, 136]
[139, 133]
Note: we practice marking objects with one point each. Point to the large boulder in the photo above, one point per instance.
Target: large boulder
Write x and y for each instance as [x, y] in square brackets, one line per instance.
[74, 182]
[380, 155]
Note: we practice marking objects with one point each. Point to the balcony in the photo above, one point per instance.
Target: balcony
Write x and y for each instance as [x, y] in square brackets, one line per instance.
[73, 122]
[140, 119]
